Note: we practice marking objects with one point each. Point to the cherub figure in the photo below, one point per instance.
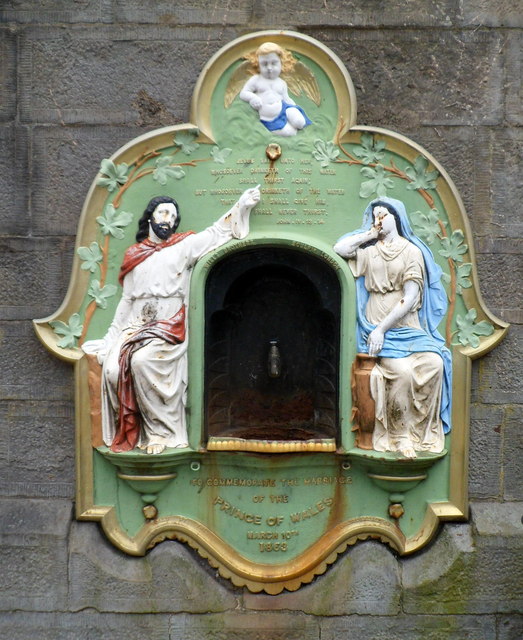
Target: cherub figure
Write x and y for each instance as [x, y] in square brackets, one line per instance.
[274, 69]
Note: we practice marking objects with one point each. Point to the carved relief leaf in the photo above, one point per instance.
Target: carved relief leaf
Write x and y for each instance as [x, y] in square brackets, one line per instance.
[325, 152]
[101, 294]
[113, 221]
[185, 140]
[462, 279]
[468, 331]
[454, 247]
[378, 182]
[427, 225]
[220, 155]
[70, 331]
[115, 174]
[165, 170]
[420, 177]
[370, 151]
[91, 255]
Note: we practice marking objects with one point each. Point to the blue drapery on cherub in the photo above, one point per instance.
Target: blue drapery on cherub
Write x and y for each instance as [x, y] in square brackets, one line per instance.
[404, 341]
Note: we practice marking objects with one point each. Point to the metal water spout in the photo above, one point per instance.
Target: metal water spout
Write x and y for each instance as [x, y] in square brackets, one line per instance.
[274, 360]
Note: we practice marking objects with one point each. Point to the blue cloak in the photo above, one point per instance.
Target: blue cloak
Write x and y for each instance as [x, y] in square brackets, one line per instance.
[404, 341]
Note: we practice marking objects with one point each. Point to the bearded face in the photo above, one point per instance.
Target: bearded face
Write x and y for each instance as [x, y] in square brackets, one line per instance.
[164, 221]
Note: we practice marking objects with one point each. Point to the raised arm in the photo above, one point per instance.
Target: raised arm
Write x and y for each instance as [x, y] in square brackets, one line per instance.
[346, 247]
[233, 224]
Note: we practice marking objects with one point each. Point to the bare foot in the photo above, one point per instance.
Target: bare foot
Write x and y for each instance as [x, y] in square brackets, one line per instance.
[408, 452]
[155, 448]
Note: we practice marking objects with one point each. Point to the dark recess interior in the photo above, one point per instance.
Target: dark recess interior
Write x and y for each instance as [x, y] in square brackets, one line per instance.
[272, 320]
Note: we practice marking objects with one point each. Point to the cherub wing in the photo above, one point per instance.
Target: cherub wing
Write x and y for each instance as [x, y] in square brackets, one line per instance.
[301, 80]
[236, 82]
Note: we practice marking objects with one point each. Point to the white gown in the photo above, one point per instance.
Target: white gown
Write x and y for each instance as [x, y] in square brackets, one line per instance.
[406, 391]
[156, 289]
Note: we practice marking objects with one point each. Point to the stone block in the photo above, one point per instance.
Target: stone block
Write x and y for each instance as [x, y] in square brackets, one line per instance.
[514, 65]
[358, 13]
[83, 625]
[407, 79]
[7, 74]
[414, 627]
[513, 454]
[510, 628]
[33, 553]
[365, 580]
[465, 574]
[471, 172]
[165, 12]
[94, 75]
[499, 380]
[14, 185]
[499, 520]
[485, 451]
[483, 13]
[40, 440]
[245, 626]
[30, 372]
[169, 579]
[50, 11]
[507, 187]
[498, 272]
[66, 161]
[32, 275]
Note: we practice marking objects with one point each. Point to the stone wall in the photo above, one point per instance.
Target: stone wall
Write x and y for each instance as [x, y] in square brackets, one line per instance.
[79, 78]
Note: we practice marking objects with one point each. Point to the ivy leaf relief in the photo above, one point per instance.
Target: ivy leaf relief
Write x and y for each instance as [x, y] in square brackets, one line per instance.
[325, 152]
[164, 170]
[185, 140]
[462, 277]
[113, 221]
[427, 225]
[101, 294]
[468, 331]
[115, 174]
[70, 331]
[419, 176]
[369, 151]
[91, 256]
[220, 155]
[378, 182]
[454, 247]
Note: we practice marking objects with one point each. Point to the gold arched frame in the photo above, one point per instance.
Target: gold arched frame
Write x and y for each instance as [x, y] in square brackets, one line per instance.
[256, 576]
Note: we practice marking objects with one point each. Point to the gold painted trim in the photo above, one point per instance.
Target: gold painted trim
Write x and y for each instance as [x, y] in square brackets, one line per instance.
[270, 446]
[377, 476]
[314, 561]
[166, 476]
[272, 579]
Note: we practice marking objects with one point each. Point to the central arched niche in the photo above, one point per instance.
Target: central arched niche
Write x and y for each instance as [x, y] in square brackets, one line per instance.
[272, 326]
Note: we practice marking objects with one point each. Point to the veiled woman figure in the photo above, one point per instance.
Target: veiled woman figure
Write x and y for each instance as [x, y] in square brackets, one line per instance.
[401, 302]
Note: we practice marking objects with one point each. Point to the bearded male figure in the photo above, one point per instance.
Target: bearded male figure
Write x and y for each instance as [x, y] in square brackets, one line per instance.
[144, 352]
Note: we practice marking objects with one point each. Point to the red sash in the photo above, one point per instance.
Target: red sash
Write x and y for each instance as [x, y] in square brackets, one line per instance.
[128, 425]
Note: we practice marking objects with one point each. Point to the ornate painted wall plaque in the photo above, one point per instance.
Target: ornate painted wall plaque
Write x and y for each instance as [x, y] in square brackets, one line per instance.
[270, 311]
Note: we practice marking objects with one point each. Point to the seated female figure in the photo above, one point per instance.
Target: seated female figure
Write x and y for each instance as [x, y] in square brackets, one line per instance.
[400, 303]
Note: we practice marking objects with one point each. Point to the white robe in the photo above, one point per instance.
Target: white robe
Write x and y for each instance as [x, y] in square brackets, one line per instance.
[406, 391]
[156, 289]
